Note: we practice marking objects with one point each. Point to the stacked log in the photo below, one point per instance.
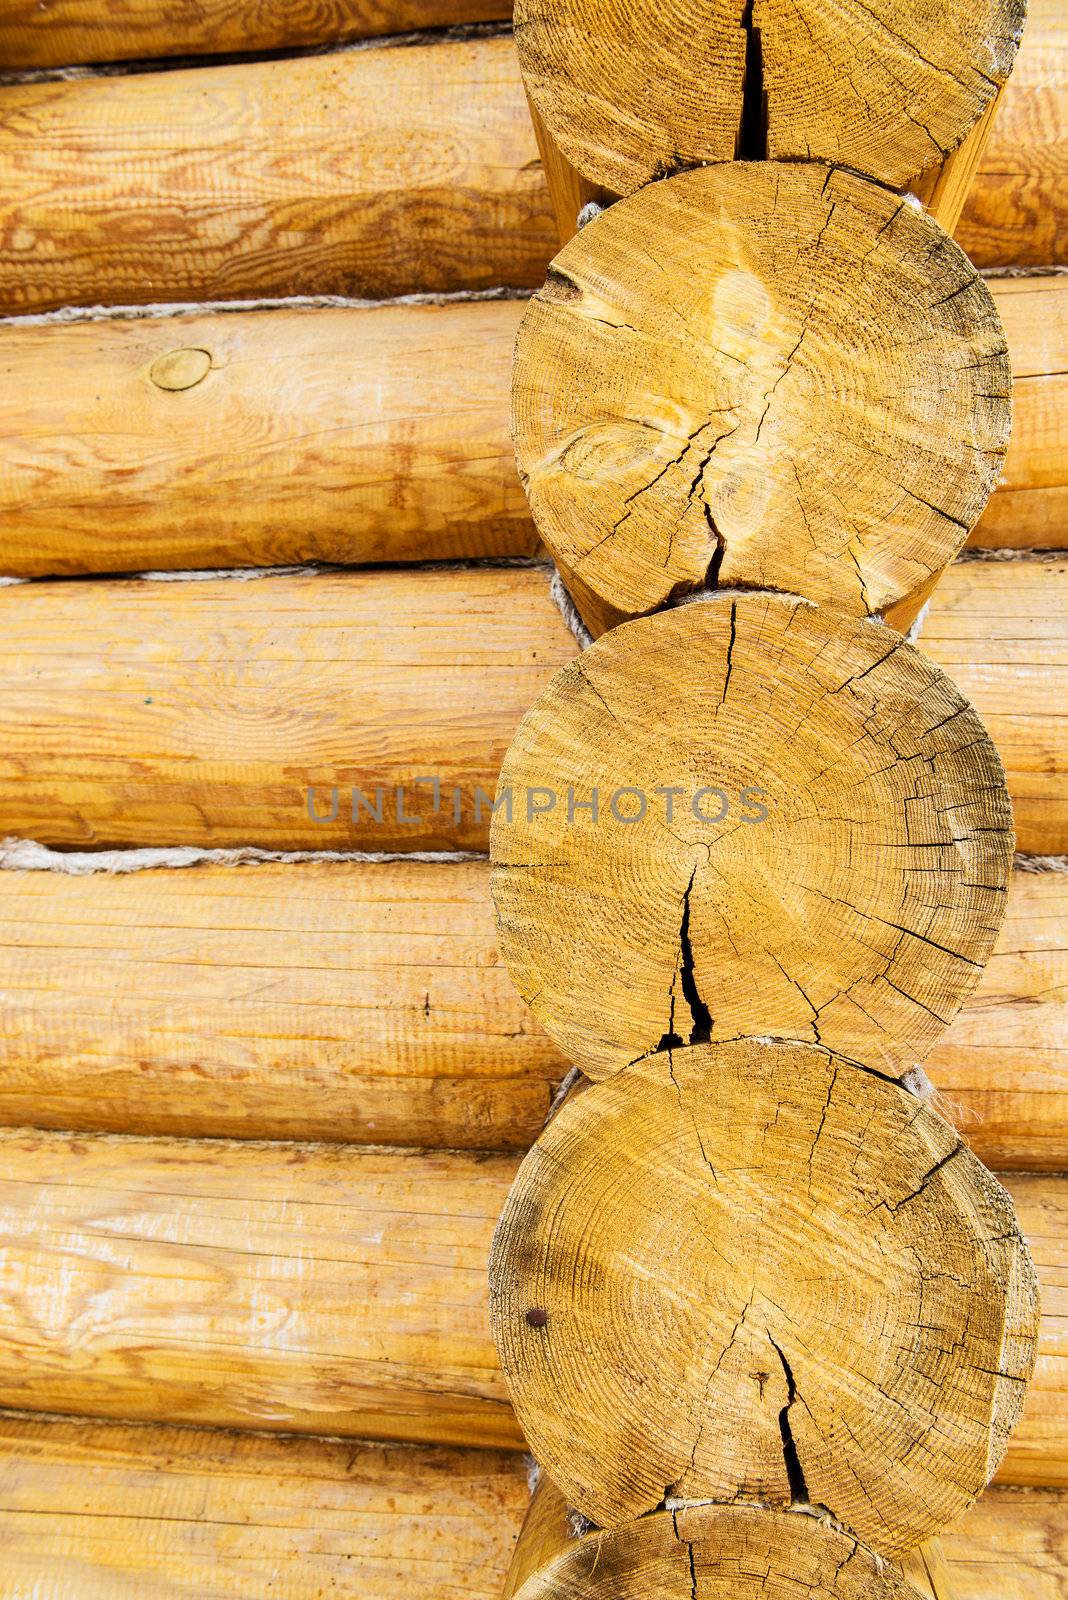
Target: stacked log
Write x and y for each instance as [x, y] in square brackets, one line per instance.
[176, 714]
[365, 1002]
[324, 1289]
[223, 1514]
[198, 1225]
[370, 435]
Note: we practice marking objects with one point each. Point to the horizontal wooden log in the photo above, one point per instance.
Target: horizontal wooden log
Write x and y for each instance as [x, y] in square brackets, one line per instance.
[1016, 214]
[373, 172]
[97, 1511]
[366, 1002]
[198, 713]
[320, 1000]
[315, 1289]
[73, 31]
[1002, 1068]
[256, 438]
[352, 436]
[1030, 506]
[187, 712]
[1012, 1545]
[415, 169]
[102, 1511]
[1000, 629]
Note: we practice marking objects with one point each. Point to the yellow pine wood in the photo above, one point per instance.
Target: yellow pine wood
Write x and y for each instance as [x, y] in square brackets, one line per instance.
[313, 1000]
[755, 1272]
[254, 1002]
[327, 435]
[89, 30]
[1030, 507]
[107, 1511]
[778, 377]
[1038, 1455]
[630, 94]
[97, 1511]
[1012, 1545]
[1002, 1068]
[197, 713]
[857, 911]
[295, 1287]
[312, 1288]
[1017, 678]
[367, 1002]
[396, 417]
[718, 1552]
[1015, 214]
[374, 172]
[173, 713]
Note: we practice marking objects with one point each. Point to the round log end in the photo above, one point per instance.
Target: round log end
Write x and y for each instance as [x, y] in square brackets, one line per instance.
[760, 1273]
[632, 93]
[715, 1553]
[785, 378]
[749, 816]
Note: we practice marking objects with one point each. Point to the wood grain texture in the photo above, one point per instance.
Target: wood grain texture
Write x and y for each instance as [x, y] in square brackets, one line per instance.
[375, 172]
[1002, 1068]
[97, 1511]
[1000, 629]
[332, 1000]
[102, 1511]
[66, 32]
[307, 1288]
[754, 1272]
[630, 94]
[178, 712]
[354, 436]
[351, 436]
[1030, 506]
[367, 1002]
[312, 1289]
[1012, 1545]
[715, 1552]
[802, 832]
[198, 713]
[1038, 1454]
[810, 394]
[1016, 214]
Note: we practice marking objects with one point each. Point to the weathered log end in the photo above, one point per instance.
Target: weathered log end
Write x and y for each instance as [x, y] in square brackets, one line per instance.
[632, 93]
[801, 830]
[714, 1552]
[757, 1272]
[785, 378]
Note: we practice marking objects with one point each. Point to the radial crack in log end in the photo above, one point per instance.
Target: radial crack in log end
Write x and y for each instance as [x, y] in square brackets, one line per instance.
[746, 1552]
[763, 819]
[631, 94]
[764, 376]
[768, 1276]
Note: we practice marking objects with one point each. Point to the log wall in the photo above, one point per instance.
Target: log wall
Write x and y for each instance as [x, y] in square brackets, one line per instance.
[72, 31]
[416, 169]
[354, 436]
[260, 438]
[316, 1289]
[202, 713]
[366, 1002]
[223, 1515]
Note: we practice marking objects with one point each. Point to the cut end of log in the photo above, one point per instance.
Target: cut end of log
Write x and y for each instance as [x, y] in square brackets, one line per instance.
[772, 377]
[698, 1553]
[749, 816]
[633, 93]
[763, 1274]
